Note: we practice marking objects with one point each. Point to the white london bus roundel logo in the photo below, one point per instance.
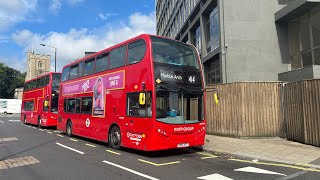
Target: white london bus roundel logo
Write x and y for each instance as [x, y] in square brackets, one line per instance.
[87, 122]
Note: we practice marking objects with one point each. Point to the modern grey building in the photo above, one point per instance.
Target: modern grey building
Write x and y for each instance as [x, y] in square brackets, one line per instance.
[247, 40]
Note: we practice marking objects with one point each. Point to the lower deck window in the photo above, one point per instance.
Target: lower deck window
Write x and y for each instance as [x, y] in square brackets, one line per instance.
[79, 106]
[29, 106]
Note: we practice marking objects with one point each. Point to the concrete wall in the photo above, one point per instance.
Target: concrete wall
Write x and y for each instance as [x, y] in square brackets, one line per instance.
[253, 51]
[297, 74]
[310, 72]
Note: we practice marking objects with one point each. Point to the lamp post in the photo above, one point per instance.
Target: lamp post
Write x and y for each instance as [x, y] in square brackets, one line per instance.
[55, 56]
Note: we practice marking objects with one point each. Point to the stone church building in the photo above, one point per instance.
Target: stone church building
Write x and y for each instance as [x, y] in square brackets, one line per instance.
[37, 64]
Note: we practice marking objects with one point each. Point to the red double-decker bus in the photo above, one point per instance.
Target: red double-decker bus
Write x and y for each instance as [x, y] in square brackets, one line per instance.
[40, 100]
[146, 93]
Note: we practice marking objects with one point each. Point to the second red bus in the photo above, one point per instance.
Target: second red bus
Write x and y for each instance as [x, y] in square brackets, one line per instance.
[40, 100]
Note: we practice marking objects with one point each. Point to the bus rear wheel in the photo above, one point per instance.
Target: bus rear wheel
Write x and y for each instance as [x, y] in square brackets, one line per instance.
[69, 129]
[115, 137]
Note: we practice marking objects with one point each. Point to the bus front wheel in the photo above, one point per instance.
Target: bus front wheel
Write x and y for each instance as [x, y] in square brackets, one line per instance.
[69, 128]
[39, 122]
[115, 137]
[25, 119]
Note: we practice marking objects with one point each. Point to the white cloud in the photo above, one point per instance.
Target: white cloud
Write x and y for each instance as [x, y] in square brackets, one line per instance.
[55, 6]
[106, 15]
[75, 2]
[73, 44]
[15, 11]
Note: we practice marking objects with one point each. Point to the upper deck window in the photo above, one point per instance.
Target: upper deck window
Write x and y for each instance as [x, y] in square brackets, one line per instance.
[81, 65]
[102, 62]
[117, 58]
[172, 52]
[136, 51]
[88, 67]
[65, 74]
[73, 72]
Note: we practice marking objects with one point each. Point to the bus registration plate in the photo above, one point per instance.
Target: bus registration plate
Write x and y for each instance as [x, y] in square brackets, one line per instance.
[181, 145]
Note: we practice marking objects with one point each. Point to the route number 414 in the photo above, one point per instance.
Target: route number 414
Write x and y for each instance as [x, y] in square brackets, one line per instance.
[192, 79]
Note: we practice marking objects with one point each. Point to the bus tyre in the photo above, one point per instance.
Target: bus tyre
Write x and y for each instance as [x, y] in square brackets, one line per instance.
[115, 138]
[25, 119]
[69, 129]
[39, 122]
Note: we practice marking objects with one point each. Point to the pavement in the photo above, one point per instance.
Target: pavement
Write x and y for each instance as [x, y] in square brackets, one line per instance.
[265, 149]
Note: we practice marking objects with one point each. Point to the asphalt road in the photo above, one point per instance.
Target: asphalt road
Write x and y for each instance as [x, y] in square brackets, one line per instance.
[27, 152]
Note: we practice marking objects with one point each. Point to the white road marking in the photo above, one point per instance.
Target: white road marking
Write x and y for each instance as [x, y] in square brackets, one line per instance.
[57, 131]
[73, 140]
[49, 132]
[80, 152]
[14, 120]
[41, 130]
[1, 121]
[130, 170]
[59, 135]
[214, 177]
[257, 170]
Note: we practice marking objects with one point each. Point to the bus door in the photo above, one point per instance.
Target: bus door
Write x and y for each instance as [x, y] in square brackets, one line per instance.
[85, 119]
[138, 120]
[99, 122]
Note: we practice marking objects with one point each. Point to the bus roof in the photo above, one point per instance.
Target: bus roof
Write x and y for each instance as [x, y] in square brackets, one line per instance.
[113, 47]
[42, 75]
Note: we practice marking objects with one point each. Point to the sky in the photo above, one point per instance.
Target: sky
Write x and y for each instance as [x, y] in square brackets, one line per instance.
[72, 26]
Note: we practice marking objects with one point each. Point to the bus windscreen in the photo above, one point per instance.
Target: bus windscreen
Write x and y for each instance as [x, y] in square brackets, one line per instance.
[55, 92]
[172, 52]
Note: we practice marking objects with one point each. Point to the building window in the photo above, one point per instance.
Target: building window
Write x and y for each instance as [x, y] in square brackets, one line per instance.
[182, 15]
[213, 71]
[39, 64]
[187, 8]
[197, 39]
[304, 39]
[213, 36]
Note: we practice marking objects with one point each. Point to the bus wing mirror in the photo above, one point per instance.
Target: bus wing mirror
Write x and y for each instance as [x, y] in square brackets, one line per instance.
[142, 98]
[46, 103]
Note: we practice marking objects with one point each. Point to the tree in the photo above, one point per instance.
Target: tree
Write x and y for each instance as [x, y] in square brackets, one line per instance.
[10, 79]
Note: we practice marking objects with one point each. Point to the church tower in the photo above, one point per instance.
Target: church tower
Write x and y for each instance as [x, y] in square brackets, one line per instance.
[37, 64]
